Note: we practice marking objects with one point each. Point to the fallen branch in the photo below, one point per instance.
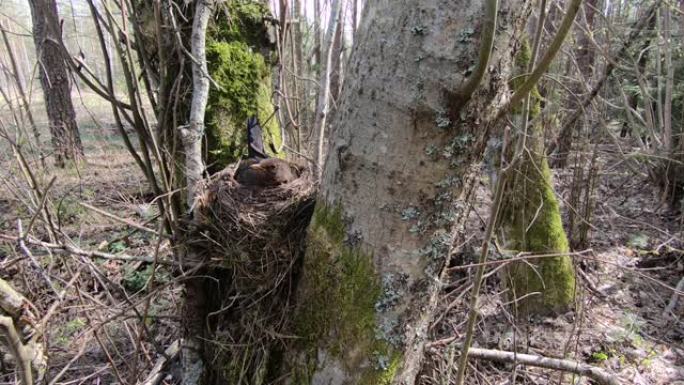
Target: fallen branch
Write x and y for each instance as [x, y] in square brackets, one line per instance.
[21, 354]
[597, 374]
[19, 334]
[156, 373]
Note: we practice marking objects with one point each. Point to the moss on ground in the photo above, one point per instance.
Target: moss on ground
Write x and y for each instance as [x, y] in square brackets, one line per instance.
[337, 304]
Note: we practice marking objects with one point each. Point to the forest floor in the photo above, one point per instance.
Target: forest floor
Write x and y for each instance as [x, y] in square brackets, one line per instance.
[94, 326]
[627, 277]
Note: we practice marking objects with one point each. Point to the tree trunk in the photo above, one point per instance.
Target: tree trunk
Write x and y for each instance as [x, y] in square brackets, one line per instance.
[323, 104]
[300, 89]
[584, 54]
[531, 222]
[54, 79]
[240, 58]
[394, 188]
[191, 135]
[337, 59]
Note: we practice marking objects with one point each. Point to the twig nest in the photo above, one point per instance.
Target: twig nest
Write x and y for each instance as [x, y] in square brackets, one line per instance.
[255, 231]
[251, 234]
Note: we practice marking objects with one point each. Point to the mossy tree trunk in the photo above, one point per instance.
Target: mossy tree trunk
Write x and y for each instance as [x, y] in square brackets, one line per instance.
[240, 57]
[533, 224]
[398, 172]
[531, 221]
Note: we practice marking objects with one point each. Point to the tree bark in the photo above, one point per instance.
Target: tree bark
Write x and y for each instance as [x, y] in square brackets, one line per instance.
[191, 135]
[240, 56]
[584, 54]
[54, 79]
[532, 223]
[337, 58]
[397, 176]
[323, 105]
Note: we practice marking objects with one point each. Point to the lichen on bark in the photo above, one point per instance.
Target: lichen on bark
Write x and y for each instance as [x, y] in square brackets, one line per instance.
[239, 57]
[337, 308]
[531, 222]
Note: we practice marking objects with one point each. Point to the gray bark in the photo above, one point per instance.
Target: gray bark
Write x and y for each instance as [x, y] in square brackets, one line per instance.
[399, 167]
[323, 105]
[191, 135]
[337, 60]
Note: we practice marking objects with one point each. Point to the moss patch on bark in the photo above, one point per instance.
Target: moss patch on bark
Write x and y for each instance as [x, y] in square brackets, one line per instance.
[534, 225]
[239, 61]
[337, 305]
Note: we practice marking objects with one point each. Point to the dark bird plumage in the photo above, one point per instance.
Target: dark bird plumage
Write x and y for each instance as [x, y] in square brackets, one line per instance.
[255, 142]
[259, 169]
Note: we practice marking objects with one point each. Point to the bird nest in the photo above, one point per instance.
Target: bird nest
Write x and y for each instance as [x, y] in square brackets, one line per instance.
[254, 231]
[251, 237]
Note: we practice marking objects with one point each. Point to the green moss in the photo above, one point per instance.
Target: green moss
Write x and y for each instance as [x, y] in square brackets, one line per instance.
[244, 22]
[383, 376]
[237, 56]
[522, 60]
[532, 223]
[337, 303]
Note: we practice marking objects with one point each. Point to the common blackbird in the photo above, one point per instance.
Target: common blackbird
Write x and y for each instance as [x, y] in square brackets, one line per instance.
[269, 172]
[258, 169]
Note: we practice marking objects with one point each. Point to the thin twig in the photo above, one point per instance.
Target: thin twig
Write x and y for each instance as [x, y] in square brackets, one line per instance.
[118, 219]
[63, 248]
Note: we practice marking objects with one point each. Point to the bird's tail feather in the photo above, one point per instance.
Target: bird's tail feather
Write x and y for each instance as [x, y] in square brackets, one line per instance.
[255, 141]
